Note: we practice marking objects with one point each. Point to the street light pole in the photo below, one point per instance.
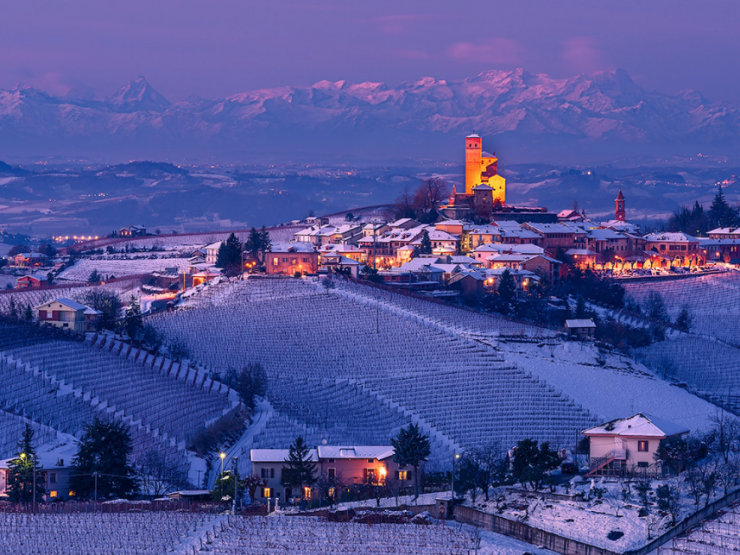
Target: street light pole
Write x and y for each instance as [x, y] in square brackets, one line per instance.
[95, 475]
[236, 481]
[455, 458]
[221, 477]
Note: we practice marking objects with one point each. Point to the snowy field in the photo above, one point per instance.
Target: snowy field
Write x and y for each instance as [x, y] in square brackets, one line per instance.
[718, 536]
[373, 364]
[107, 268]
[6, 280]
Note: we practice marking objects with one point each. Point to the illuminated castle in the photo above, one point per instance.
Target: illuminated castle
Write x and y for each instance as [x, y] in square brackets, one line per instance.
[484, 188]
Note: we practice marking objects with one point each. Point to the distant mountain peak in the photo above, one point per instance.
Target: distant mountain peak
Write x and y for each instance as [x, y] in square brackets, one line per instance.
[139, 95]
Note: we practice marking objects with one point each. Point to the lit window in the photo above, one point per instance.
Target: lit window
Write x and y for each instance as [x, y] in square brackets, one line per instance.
[332, 492]
[52, 494]
[266, 492]
[52, 477]
[642, 446]
[72, 493]
[306, 493]
[402, 475]
[275, 261]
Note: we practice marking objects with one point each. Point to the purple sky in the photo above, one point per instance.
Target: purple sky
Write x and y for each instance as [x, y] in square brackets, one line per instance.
[221, 47]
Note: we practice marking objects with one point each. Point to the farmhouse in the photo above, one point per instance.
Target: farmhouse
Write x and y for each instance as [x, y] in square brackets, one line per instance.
[289, 258]
[32, 281]
[628, 444]
[67, 314]
[348, 465]
[580, 328]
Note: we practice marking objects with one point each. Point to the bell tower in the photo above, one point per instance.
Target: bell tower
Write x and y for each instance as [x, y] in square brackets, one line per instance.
[473, 155]
[620, 214]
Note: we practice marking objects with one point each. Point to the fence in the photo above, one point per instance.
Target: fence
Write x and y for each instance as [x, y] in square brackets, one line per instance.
[569, 546]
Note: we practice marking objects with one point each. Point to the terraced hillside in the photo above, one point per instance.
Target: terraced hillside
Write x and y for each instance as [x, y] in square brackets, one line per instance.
[353, 364]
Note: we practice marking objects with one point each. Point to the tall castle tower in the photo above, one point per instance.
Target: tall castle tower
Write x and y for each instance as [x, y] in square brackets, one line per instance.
[619, 214]
[481, 168]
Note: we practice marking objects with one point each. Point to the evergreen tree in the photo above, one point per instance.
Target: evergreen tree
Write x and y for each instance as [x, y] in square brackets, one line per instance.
[580, 307]
[721, 214]
[532, 461]
[655, 307]
[104, 450]
[258, 243]
[683, 322]
[506, 288]
[21, 470]
[50, 278]
[425, 247]
[411, 447]
[230, 256]
[251, 383]
[28, 313]
[133, 322]
[13, 309]
[106, 302]
[94, 277]
[300, 471]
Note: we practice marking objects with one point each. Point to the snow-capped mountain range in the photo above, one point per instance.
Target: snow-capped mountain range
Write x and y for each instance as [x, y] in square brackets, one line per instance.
[591, 115]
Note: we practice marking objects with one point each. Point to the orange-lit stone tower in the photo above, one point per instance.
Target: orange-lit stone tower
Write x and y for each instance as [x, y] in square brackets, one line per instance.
[481, 168]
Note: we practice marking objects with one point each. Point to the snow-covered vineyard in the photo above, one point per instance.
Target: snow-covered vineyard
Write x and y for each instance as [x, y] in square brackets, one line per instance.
[35, 297]
[353, 365]
[310, 536]
[191, 533]
[62, 385]
[707, 358]
[718, 536]
[101, 533]
[120, 267]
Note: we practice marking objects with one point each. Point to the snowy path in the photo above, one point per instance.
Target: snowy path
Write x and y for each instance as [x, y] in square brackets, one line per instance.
[497, 544]
[262, 414]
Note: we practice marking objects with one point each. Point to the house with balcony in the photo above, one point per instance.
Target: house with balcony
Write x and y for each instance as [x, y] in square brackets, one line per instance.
[67, 314]
[626, 445]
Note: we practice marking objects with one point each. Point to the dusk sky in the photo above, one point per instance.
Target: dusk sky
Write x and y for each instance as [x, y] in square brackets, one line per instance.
[218, 48]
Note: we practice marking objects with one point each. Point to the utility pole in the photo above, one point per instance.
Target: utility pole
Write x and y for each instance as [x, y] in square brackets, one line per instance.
[375, 228]
[95, 475]
[34, 484]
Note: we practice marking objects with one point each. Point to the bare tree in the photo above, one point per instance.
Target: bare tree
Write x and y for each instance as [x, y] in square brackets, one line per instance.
[429, 194]
[158, 476]
[251, 483]
[725, 434]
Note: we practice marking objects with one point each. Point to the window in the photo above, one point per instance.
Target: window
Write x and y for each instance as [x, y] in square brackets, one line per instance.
[642, 446]
[642, 464]
[331, 460]
[275, 261]
[267, 473]
[332, 473]
[72, 493]
[371, 460]
[402, 475]
[332, 492]
[52, 477]
[306, 493]
[266, 492]
[52, 494]
[293, 260]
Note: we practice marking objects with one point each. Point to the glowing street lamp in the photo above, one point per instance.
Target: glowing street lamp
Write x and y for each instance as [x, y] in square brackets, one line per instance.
[221, 478]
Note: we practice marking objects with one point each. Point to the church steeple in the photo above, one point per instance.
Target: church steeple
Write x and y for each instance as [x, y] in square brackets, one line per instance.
[620, 214]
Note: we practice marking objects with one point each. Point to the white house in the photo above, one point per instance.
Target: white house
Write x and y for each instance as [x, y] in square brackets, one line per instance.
[628, 444]
[212, 252]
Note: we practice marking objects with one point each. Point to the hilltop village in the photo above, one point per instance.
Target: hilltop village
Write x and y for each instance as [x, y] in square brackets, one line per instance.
[448, 358]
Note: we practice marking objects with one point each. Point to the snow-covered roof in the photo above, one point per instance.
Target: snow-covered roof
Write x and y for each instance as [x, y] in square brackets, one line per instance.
[66, 302]
[297, 247]
[523, 248]
[339, 248]
[579, 252]
[671, 237]
[341, 260]
[604, 234]
[726, 231]
[421, 264]
[214, 246]
[639, 425]
[461, 259]
[580, 323]
[378, 452]
[277, 455]
[555, 228]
